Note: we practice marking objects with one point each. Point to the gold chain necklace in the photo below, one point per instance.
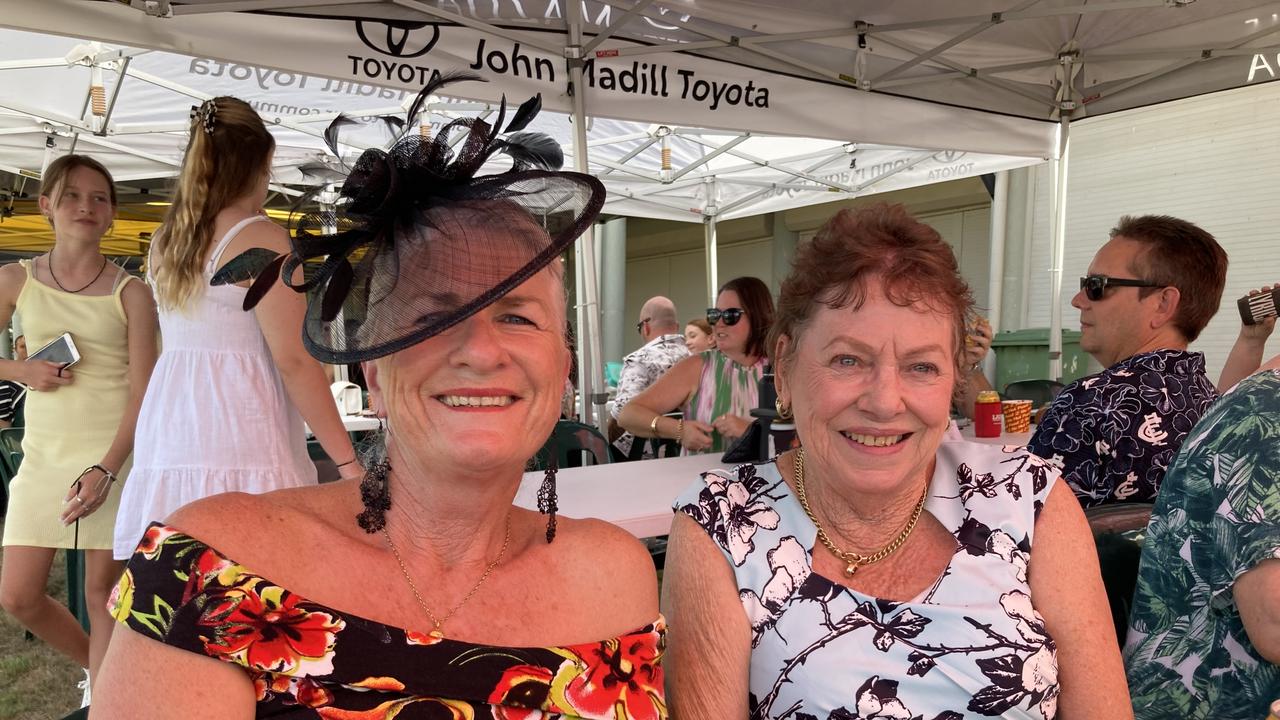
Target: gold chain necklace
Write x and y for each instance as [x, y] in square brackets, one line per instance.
[854, 560]
[438, 623]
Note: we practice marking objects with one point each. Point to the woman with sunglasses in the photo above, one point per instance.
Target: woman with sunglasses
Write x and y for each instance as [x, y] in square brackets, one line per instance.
[716, 390]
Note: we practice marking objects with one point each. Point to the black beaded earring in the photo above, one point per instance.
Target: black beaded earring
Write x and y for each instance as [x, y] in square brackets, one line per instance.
[547, 496]
[375, 494]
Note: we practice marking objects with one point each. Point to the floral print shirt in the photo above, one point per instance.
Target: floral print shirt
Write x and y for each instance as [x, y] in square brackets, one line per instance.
[310, 661]
[1218, 515]
[1114, 433]
[641, 369]
[971, 645]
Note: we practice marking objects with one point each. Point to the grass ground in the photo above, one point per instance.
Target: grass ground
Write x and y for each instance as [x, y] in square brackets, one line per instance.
[36, 683]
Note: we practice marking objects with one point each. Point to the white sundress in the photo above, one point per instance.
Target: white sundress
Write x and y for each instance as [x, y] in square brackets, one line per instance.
[971, 645]
[215, 418]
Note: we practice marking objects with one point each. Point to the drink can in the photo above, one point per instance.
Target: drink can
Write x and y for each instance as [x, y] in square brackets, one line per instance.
[987, 414]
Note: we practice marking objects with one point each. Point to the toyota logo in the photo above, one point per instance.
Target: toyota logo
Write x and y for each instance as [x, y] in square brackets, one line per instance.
[948, 156]
[396, 37]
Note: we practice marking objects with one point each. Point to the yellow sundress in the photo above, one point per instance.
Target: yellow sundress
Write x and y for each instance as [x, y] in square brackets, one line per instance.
[70, 428]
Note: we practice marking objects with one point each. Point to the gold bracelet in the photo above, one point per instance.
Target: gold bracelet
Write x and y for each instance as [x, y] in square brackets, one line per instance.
[653, 426]
[679, 431]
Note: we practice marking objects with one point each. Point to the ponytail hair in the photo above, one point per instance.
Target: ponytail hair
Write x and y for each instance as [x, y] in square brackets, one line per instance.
[229, 148]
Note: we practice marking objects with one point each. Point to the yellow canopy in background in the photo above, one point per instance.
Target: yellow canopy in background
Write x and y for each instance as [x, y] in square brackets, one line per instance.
[26, 231]
[31, 233]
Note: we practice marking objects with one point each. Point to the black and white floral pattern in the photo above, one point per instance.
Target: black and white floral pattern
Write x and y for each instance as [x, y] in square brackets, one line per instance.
[970, 646]
[1113, 434]
[642, 368]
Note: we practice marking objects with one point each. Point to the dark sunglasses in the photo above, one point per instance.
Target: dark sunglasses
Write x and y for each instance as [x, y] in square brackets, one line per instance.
[1095, 286]
[730, 316]
[640, 325]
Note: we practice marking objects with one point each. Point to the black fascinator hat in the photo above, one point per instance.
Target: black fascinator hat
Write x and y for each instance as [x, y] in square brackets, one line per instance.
[417, 242]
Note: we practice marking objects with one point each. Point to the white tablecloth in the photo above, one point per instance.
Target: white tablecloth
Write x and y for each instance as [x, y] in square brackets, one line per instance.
[1005, 438]
[635, 496]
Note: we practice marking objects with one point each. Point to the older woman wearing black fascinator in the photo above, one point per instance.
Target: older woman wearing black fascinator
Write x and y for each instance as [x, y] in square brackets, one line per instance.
[419, 591]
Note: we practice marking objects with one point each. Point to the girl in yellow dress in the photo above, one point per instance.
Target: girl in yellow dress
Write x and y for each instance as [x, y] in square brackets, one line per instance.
[79, 420]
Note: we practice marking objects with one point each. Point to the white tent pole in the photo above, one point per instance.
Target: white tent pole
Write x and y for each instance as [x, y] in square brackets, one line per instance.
[710, 210]
[1028, 230]
[1064, 105]
[711, 156]
[639, 7]
[709, 228]
[590, 369]
[1059, 248]
[121, 73]
[995, 287]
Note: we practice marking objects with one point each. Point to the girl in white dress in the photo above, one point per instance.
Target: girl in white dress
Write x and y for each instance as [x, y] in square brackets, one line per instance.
[225, 408]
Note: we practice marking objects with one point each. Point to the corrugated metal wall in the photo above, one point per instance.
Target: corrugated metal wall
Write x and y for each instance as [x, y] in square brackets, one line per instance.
[1213, 160]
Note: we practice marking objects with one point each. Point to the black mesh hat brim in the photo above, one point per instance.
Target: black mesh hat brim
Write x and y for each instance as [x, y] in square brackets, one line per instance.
[440, 264]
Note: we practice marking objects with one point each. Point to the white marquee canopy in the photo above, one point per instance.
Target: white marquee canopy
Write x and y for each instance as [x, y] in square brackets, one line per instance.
[984, 76]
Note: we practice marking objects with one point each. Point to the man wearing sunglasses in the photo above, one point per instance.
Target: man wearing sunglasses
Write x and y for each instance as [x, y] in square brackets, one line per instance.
[663, 346]
[1148, 293]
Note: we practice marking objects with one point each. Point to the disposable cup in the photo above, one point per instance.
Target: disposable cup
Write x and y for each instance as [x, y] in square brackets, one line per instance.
[1017, 415]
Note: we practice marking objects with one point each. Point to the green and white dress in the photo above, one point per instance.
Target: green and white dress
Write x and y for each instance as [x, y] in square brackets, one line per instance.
[1217, 516]
[724, 387]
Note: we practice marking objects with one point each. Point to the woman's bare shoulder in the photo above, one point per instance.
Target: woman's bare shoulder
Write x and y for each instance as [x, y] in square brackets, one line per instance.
[261, 234]
[606, 564]
[244, 526]
[12, 277]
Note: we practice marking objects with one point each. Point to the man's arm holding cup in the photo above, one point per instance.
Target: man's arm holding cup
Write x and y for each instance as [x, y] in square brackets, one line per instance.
[1246, 354]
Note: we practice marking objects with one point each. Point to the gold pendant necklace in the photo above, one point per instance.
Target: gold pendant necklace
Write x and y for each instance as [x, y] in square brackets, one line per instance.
[438, 623]
[852, 559]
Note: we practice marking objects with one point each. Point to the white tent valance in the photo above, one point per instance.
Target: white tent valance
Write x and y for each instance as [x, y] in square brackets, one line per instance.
[979, 76]
[666, 88]
[46, 88]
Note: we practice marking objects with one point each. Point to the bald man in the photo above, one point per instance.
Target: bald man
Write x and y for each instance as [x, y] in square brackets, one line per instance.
[663, 347]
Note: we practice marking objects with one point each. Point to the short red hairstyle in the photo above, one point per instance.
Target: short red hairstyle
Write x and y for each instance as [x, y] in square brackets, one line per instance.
[881, 242]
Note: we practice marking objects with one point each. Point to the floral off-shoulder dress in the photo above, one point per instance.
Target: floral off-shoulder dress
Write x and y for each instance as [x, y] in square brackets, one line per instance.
[311, 661]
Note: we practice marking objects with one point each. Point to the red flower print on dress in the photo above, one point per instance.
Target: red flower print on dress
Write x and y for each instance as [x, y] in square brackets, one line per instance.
[210, 568]
[617, 679]
[416, 637]
[296, 690]
[524, 686]
[153, 539]
[265, 628]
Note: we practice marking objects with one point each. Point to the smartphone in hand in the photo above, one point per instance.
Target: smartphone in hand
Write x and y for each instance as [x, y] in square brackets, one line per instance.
[61, 350]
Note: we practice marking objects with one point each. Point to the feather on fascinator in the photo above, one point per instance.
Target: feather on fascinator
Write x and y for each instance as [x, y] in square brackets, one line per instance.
[418, 242]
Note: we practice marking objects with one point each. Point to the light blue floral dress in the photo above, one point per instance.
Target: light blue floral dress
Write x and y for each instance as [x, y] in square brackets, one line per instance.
[969, 646]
